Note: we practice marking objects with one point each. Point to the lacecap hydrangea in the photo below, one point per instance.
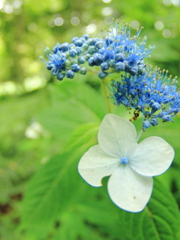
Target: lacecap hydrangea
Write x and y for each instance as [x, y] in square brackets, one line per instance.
[116, 51]
[153, 93]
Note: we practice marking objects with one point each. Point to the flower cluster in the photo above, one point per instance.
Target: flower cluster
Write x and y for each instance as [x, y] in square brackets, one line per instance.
[117, 52]
[66, 59]
[153, 93]
[148, 91]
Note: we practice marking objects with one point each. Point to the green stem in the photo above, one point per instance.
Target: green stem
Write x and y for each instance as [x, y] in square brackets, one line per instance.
[138, 137]
[108, 105]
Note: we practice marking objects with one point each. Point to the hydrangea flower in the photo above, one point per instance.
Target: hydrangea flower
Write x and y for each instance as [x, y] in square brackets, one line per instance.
[130, 165]
[153, 93]
[118, 52]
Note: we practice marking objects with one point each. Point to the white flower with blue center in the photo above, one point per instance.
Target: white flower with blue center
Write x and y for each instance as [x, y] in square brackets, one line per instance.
[130, 165]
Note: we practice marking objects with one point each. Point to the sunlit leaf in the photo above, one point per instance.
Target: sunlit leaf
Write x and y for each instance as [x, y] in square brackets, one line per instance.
[72, 104]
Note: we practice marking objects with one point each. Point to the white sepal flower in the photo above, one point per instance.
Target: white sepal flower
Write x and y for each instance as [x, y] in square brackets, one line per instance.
[130, 165]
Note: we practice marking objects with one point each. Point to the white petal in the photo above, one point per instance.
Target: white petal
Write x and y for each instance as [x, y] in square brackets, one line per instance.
[129, 190]
[116, 135]
[151, 157]
[96, 164]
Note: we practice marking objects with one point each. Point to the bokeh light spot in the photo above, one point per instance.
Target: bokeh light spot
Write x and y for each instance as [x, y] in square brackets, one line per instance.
[17, 4]
[91, 28]
[1, 4]
[8, 8]
[32, 27]
[167, 2]
[58, 21]
[175, 2]
[135, 24]
[75, 21]
[106, 1]
[107, 11]
[167, 33]
[159, 25]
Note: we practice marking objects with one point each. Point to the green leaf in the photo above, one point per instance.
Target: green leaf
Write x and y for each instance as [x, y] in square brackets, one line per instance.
[49, 193]
[164, 214]
[85, 134]
[159, 221]
[57, 194]
[55, 186]
[72, 104]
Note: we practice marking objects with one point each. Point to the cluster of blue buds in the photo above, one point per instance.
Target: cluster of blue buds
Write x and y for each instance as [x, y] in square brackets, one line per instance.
[115, 52]
[147, 91]
[153, 93]
[66, 59]
[119, 52]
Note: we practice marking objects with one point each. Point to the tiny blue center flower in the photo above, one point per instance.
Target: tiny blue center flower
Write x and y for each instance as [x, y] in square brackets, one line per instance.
[124, 160]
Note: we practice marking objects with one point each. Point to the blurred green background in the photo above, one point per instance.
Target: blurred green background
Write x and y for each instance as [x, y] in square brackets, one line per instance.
[30, 131]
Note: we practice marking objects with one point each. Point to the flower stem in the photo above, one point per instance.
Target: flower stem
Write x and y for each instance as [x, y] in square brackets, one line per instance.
[104, 87]
[138, 137]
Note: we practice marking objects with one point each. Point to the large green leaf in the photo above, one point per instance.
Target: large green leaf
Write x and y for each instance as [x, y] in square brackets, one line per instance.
[72, 104]
[159, 221]
[56, 184]
[59, 202]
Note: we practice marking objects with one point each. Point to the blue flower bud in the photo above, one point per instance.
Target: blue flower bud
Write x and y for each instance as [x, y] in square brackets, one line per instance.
[173, 110]
[54, 71]
[167, 118]
[147, 114]
[91, 61]
[140, 70]
[74, 39]
[60, 76]
[154, 122]
[108, 55]
[72, 53]
[81, 60]
[92, 41]
[85, 46]
[119, 57]
[104, 66]
[78, 50]
[132, 71]
[64, 47]
[98, 58]
[67, 63]
[83, 71]
[102, 75]
[70, 74]
[87, 56]
[99, 44]
[56, 48]
[71, 45]
[132, 62]
[146, 124]
[92, 50]
[49, 66]
[132, 92]
[112, 63]
[78, 43]
[75, 67]
[109, 41]
[155, 106]
[120, 66]
[86, 36]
